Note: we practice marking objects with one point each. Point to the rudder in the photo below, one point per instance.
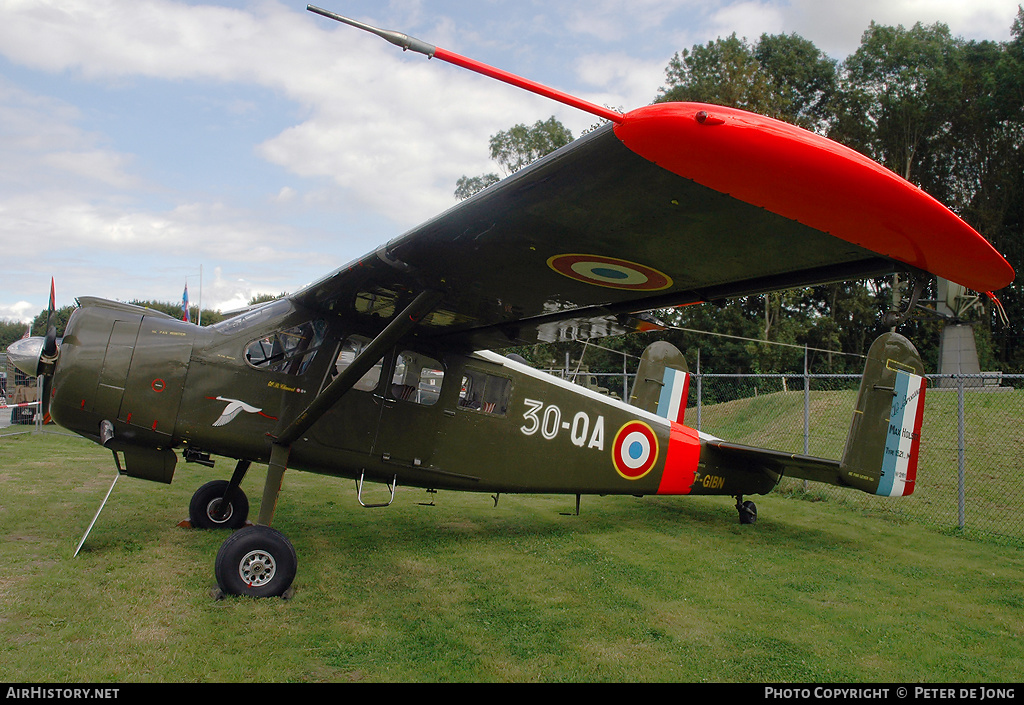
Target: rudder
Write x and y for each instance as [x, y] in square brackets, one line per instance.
[662, 382]
[885, 434]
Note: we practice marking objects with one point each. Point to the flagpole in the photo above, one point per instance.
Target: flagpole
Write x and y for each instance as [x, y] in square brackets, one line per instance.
[199, 318]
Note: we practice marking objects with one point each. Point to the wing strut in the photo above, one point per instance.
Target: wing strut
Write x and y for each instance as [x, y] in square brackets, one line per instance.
[408, 43]
[399, 326]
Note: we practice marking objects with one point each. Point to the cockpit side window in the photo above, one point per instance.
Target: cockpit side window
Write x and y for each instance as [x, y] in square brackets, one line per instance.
[288, 351]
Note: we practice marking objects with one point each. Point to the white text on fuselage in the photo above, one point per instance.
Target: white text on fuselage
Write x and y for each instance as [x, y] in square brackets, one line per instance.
[547, 420]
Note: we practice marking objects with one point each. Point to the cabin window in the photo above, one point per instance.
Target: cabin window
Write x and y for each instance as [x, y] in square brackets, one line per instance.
[484, 392]
[288, 351]
[351, 348]
[417, 378]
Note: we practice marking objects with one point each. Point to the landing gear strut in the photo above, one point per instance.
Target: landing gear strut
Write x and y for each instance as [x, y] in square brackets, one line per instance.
[259, 561]
[213, 508]
[747, 510]
[221, 504]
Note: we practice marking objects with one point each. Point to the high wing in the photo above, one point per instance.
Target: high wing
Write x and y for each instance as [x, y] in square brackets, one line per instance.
[677, 203]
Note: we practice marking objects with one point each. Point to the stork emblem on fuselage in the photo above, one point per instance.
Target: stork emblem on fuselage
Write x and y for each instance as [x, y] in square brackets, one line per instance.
[233, 408]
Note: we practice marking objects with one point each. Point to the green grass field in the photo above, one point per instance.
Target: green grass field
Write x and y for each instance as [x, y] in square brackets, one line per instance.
[633, 589]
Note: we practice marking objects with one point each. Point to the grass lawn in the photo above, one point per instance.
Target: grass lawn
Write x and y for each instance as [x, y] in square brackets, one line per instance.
[633, 589]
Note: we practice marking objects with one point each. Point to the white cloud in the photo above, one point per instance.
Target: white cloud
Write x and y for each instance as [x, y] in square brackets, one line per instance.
[837, 27]
[613, 20]
[748, 20]
[627, 82]
[22, 311]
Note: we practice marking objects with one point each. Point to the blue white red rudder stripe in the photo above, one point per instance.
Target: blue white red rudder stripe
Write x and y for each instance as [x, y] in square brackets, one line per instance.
[674, 393]
[903, 439]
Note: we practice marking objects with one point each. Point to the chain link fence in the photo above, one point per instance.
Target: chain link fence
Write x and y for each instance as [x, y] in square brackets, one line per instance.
[972, 440]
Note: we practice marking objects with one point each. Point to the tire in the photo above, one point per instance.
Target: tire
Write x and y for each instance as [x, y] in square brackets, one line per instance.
[207, 499]
[256, 561]
[748, 513]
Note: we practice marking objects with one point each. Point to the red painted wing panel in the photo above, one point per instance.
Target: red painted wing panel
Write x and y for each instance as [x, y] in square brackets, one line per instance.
[815, 181]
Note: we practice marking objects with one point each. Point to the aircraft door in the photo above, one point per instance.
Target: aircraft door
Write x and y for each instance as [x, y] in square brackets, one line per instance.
[351, 424]
[409, 410]
[390, 415]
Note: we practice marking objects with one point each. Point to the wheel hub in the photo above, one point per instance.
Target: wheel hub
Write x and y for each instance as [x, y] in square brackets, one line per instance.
[219, 511]
[257, 568]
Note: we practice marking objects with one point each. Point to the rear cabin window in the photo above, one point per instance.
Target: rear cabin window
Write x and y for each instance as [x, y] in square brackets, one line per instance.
[287, 351]
[484, 392]
[417, 378]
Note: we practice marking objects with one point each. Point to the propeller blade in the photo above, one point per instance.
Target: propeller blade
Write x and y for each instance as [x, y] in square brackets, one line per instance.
[50, 339]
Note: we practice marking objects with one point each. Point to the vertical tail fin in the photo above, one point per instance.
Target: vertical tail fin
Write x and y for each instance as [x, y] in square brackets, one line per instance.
[885, 434]
[662, 382]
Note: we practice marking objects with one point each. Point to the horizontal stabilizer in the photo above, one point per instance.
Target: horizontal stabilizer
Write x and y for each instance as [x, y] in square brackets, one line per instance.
[777, 462]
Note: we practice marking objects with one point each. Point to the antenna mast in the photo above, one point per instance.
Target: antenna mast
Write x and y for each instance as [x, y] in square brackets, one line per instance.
[408, 43]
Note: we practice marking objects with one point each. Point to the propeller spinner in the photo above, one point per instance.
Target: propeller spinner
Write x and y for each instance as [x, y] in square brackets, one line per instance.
[38, 355]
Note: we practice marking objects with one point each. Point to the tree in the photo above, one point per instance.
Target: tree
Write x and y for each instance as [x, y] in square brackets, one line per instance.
[802, 79]
[466, 186]
[783, 76]
[948, 115]
[10, 331]
[897, 93]
[263, 298]
[61, 316]
[724, 72]
[515, 148]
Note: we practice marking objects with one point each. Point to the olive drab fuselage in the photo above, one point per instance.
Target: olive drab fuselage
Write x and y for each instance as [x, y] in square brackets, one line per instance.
[422, 416]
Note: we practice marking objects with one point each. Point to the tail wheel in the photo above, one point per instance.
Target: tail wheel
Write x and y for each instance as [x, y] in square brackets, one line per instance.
[256, 561]
[209, 509]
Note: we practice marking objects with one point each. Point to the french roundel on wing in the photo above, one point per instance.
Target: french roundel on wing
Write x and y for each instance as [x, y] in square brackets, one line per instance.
[610, 272]
[635, 450]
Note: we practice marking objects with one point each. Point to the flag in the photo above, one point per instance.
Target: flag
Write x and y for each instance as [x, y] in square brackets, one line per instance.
[184, 305]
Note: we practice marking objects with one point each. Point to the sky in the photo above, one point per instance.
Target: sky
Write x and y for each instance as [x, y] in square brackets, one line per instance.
[245, 148]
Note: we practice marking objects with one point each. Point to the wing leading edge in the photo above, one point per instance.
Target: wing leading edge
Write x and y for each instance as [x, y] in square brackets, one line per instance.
[679, 203]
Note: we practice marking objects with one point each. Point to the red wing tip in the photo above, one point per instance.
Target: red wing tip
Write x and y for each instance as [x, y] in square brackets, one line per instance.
[815, 181]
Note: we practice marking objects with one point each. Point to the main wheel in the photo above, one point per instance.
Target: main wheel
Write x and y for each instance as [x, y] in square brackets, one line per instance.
[256, 561]
[208, 511]
[748, 512]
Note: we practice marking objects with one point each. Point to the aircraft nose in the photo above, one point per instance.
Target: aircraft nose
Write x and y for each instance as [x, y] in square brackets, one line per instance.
[25, 354]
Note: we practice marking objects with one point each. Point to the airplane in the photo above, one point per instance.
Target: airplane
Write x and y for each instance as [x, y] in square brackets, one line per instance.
[387, 370]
